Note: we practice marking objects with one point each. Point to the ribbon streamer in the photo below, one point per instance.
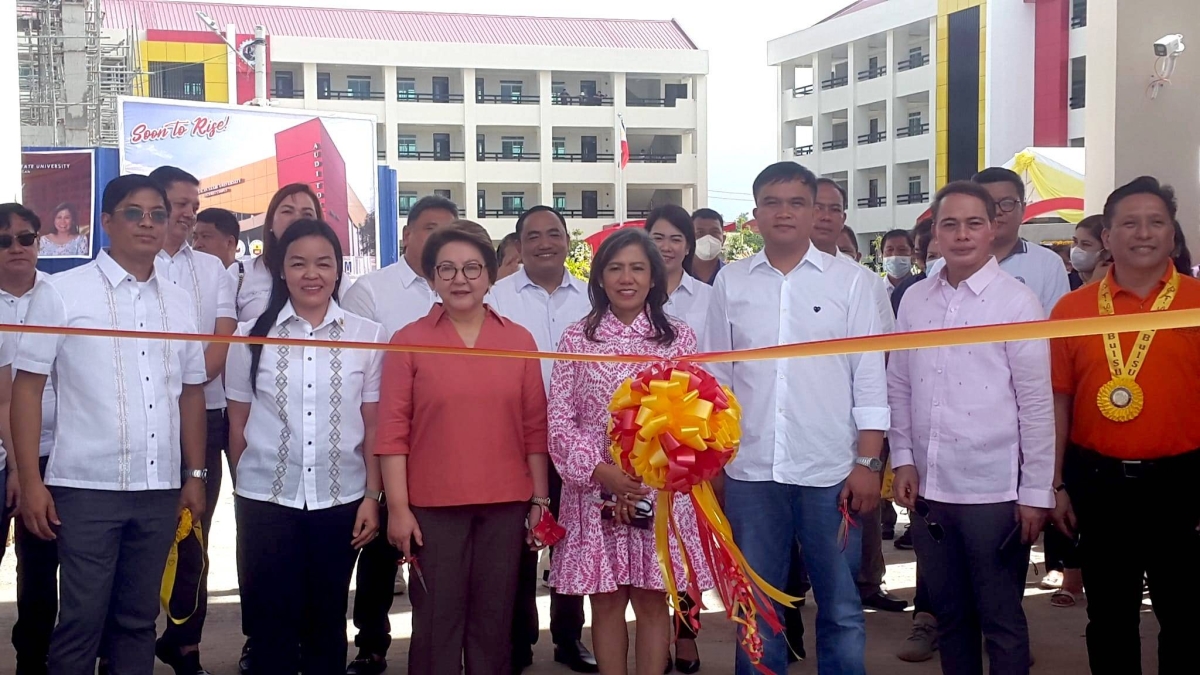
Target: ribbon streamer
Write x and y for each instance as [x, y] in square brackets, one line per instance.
[946, 337]
[186, 527]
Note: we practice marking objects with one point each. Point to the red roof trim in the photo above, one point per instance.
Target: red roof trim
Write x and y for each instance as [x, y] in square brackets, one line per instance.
[198, 36]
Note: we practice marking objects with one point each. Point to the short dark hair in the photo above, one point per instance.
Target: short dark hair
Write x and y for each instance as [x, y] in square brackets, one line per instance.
[7, 211]
[999, 174]
[678, 217]
[969, 189]
[656, 299]
[539, 209]
[922, 234]
[467, 232]
[510, 239]
[834, 184]
[166, 176]
[222, 219]
[72, 211]
[896, 234]
[1094, 225]
[430, 203]
[849, 232]
[707, 214]
[1142, 185]
[122, 186]
[784, 172]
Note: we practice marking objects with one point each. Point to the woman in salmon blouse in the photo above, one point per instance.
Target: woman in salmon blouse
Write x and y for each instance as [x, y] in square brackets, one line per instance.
[462, 441]
[608, 553]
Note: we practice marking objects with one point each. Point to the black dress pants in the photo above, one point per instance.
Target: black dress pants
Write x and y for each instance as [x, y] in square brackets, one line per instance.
[298, 565]
[1137, 520]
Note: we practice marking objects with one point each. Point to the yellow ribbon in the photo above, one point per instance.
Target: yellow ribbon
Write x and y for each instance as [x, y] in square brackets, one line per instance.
[185, 527]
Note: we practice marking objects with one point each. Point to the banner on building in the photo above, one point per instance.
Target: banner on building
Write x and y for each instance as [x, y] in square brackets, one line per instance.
[58, 187]
[243, 155]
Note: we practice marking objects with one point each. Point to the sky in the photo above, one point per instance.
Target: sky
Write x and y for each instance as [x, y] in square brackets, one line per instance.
[741, 86]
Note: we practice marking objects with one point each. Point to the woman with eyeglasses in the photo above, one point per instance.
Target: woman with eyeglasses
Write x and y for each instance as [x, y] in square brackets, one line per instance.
[64, 239]
[462, 442]
[609, 551]
[301, 434]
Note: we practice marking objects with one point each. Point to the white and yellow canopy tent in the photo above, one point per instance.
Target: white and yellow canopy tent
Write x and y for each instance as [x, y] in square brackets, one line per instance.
[1053, 181]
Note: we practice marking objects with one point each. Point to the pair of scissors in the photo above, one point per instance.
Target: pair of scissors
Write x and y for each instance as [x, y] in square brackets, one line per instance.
[415, 567]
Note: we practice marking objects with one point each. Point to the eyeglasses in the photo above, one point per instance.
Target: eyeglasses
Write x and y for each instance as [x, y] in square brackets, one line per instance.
[936, 531]
[134, 214]
[1008, 205]
[24, 239]
[471, 271]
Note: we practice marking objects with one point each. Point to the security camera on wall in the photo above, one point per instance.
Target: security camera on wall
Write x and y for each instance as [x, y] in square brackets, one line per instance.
[1169, 45]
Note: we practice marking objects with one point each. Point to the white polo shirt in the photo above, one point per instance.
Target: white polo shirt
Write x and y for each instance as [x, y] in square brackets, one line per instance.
[122, 432]
[801, 417]
[8, 353]
[305, 431]
[213, 293]
[689, 302]
[394, 296]
[12, 311]
[545, 315]
[1036, 266]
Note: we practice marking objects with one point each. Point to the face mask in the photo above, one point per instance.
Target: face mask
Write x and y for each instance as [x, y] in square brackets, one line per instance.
[897, 266]
[1084, 261]
[708, 247]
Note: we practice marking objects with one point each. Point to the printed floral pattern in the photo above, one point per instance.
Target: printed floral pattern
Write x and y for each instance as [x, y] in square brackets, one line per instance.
[597, 555]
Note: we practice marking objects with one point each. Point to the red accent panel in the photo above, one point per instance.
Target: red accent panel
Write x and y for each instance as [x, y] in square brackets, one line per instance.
[193, 36]
[306, 154]
[1052, 51]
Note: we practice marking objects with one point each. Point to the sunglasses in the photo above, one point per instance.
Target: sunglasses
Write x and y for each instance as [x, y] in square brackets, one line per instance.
[936, 531]
[24, 239]
[134, 214]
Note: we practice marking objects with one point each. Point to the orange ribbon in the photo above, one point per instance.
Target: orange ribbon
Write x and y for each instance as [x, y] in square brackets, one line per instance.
[947, 337]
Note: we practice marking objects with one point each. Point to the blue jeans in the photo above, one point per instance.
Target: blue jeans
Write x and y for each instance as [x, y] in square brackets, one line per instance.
[767, 518]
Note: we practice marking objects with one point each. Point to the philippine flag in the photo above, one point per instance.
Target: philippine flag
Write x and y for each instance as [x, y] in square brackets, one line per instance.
[624, 145]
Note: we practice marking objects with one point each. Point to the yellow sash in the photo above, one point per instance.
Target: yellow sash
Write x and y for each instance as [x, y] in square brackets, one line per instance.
[1121, 398]
[186, 527]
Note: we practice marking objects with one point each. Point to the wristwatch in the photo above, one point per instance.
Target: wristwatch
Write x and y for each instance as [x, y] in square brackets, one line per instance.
[202, 474]
[543, 502]
[872, 463]
[374, 495]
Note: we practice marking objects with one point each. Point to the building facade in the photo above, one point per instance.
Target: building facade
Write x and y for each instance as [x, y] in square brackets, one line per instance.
[497, 113]
[894, 98]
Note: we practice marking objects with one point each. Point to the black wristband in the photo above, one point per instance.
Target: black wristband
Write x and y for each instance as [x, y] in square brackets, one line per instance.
[1060, 487]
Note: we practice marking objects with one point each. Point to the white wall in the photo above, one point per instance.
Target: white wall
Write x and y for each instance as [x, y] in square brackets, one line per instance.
[877, 19]
[1009, 80]
[10, 113]
[1129, 135]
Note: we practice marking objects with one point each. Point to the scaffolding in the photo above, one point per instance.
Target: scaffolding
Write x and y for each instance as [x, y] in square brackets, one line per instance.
[71, 73]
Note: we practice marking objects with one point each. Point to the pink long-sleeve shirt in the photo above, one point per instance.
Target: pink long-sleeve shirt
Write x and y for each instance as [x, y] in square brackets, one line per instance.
[977, 421]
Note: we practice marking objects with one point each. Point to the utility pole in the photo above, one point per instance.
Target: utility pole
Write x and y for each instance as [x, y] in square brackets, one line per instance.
[259, 54]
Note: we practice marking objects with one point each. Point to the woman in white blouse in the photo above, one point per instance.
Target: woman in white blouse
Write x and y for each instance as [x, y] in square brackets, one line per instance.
[302, 432]
[670, 227]
[254, 279]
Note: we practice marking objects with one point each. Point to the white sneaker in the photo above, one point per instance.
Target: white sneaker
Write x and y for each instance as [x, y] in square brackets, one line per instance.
[401, 588]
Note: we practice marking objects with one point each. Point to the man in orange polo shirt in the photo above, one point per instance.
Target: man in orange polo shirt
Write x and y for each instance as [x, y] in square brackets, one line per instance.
[1128, 456]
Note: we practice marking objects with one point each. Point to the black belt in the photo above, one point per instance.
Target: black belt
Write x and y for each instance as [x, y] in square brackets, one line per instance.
[1137, 468]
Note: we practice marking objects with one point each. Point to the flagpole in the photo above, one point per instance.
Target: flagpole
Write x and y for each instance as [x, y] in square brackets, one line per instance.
[622, 198]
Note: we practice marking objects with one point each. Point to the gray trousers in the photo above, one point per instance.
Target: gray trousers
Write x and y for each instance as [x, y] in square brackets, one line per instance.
[974, 587]
[870, 575]
[112, 549]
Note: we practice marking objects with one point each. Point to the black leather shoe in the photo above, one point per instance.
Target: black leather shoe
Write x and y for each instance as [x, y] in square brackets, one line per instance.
[904, 541]
[244, 661]
[687, 667]
[576, 657]
[367, 663]
[522, 660]
[182, 664]
[884, 602]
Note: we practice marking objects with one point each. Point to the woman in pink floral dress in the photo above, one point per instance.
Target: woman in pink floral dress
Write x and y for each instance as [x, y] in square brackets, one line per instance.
[612, 559]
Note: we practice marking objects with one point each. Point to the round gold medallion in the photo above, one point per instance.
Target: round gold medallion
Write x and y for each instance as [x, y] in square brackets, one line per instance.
[1120, 399]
